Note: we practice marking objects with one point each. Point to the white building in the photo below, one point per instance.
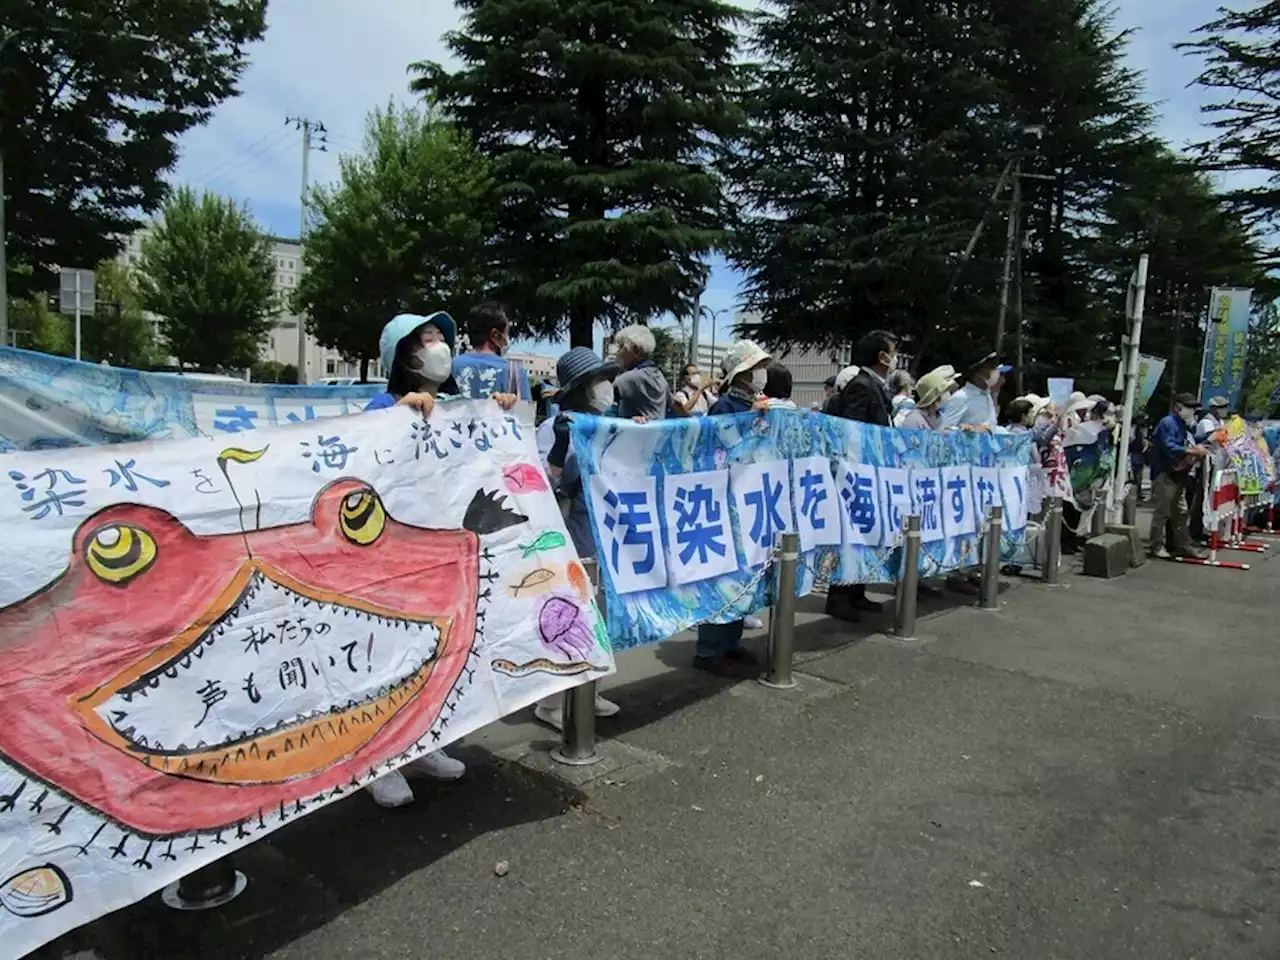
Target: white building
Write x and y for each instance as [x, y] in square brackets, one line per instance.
[536, 365]
[281, 344]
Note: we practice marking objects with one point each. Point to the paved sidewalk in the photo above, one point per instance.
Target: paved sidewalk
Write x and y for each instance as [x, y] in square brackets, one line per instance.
[1092, 772]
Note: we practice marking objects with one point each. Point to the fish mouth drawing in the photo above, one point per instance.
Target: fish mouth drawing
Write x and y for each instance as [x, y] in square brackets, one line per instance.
[261, 688]
[133, 681]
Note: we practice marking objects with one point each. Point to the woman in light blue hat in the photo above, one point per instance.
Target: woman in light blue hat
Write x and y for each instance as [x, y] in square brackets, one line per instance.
[417, 355]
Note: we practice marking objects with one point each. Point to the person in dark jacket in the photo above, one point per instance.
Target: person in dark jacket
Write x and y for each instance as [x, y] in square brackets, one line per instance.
[1173, 454]
[866, 399]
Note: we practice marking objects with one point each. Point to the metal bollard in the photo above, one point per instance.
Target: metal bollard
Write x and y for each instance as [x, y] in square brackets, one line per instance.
[990, 598]
[1131, 506]
[1053, 541]
[782, 621]
[909, 583]
[578, 711]
[210, 886]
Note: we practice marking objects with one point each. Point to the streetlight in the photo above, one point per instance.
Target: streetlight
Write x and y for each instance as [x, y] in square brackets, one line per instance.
[714, 315]
[6, 37]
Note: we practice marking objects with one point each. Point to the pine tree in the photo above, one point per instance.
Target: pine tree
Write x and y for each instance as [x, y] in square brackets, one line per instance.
[1241, 53]
[600, 117]
[864, 166]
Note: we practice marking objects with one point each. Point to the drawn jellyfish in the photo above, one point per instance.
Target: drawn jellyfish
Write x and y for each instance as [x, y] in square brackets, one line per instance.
[564, 629]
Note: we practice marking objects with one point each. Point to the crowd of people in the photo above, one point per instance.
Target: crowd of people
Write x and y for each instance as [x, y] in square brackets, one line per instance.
[420, 353]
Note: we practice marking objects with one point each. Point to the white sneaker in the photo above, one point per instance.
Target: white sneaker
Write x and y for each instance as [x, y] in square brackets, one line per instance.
[391, 791]
[552, 716]
[436, 765]
[753, 623]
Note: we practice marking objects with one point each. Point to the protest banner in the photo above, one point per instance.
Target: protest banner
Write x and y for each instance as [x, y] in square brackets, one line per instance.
[49, 402]
[1226, 345]
[206, 638]
[685, 511]
[1150, 370]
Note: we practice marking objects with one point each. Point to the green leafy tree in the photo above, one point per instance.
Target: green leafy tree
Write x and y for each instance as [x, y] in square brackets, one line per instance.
[93, 98]
[406, 228]
[206, 271]
[34, 326]
[1262, 373]
[601, 117]
[119, 331]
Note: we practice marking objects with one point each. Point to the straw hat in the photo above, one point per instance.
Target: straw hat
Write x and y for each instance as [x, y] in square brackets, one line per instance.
[1038, 403]
[931, 387]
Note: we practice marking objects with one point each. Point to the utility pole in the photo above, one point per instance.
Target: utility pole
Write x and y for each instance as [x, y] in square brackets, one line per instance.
[1010, 245]
[314, 137]
[1018, 369]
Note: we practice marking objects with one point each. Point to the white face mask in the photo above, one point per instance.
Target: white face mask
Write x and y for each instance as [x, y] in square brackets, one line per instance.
[758, 379]
[695, 380]
[600, 397]
[1188, 415]
[435, 361]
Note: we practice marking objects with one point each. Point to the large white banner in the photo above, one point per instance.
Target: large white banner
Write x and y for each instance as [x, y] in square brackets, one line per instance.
[203, 639]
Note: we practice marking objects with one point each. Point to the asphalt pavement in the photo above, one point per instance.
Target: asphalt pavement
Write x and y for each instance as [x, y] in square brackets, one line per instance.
[1093, 771]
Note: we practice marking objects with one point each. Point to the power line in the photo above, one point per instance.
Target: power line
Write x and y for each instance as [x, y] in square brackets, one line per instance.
[251, 150]
[255, 162]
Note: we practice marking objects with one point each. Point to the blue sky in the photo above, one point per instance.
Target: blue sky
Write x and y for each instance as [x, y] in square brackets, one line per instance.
[334, 60]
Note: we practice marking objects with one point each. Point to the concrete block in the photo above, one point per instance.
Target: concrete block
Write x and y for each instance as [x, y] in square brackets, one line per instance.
[1137, 553]
[1106, 556]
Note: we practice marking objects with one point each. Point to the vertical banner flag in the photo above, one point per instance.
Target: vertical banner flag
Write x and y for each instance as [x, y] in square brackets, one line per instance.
[685, 512]
[1226, 339]
[1150, 370]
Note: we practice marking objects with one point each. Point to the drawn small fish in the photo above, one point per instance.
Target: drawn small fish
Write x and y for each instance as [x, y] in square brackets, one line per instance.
[578, 580]
[534, 578]
[548, 540]
[523, 478]
[543, 665]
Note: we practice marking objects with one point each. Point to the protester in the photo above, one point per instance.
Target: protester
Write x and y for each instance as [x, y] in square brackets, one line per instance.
[417, 352]
[586, 387]
[481, 372]
[719, 647]
[1173, 453]
[693, 397]
[641, 390]
[865, 398]
[901, 387]
[932, 391]
[1213, 419]
[973, 406]
[828, 391]
[777, 386]
[1139, 445]
[841, 381]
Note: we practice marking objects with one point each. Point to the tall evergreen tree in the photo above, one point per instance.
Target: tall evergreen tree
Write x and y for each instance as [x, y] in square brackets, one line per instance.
[864, 165]
[1060, 66]
[1241, 54]
[600, 117]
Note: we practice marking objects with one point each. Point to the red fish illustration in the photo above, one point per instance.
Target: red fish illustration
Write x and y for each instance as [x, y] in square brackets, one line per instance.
[175, 682]
[524, 478]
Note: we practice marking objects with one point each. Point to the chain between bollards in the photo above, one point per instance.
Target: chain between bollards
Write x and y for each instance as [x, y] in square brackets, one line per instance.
[909, 582]
[990, 597]
[1053, 541]
[210, 886]
[578, 711]
[782, 620]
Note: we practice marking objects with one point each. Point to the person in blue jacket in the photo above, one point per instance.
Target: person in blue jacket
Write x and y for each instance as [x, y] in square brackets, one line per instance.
[1173, 454]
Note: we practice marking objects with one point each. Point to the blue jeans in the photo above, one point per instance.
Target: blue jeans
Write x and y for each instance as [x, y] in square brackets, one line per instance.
[717, 639]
